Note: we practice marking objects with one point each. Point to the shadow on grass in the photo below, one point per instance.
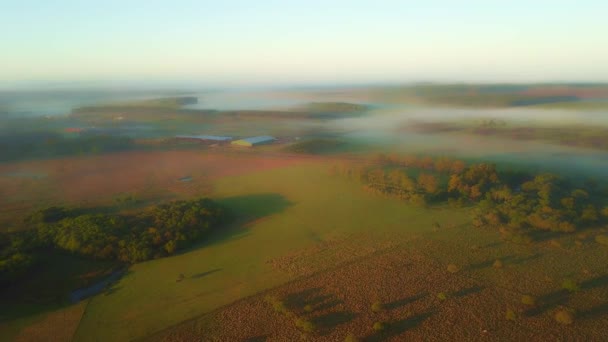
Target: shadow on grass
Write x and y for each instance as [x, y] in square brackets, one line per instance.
[255, 206]
[404, 301]
[57, 283]
[468, 291]
[298, 300]
[600, 281]
[204, 274]
[260, 338]
[510, 259]
[329, 321]
[594, 312]
[243, 210]
[399, 327]
[544, 235]
[519, 260]
[481, 265]
[318, 304]
[548, 302]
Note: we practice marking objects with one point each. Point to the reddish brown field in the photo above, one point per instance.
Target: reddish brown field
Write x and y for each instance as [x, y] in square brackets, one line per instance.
[406, 277]
[96, 180]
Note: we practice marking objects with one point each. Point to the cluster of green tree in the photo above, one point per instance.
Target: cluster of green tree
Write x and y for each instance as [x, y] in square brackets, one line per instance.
[48, 144]
[544, 203]
[16, 255]
[154, 233]
[419, 180]
[515, 203]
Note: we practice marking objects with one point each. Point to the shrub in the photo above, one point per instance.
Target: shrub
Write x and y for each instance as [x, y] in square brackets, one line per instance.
[528, 300]
[497, 264]
[351, 338]
[453, 268]
[442, 296]
[277, 305]
[308, 308]
[379, 326]
[602, 239]
[305, 325]
[570, 285]
[564, 316]
[511, 315]
[377, 307]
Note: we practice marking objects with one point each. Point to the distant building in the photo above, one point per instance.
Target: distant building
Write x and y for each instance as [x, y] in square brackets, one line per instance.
[205, 137]
[254, 141]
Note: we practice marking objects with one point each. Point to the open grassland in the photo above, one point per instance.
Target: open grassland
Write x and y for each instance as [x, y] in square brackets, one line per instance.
[289, 208]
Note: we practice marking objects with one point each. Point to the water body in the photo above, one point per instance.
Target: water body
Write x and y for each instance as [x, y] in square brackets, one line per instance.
[96, 288]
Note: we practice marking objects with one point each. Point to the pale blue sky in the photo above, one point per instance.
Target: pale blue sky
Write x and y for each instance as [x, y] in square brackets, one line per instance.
[265, 41]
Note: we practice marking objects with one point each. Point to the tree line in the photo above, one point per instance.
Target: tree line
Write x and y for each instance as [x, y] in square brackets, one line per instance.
[518, 204]
[157, 232]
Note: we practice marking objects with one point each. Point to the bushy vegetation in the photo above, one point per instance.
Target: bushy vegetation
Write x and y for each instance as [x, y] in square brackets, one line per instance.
[570, 285]
[379, 326]
[516, 204]
[305, 325]
[351, 338]
[277, 305]
[377, 307]
[157, 232]
[510, 315]
[564, 316]
[602, 239]
[453, 268]
[16, 255]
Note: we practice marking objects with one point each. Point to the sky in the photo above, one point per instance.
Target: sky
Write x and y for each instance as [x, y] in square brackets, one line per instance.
[299, 42]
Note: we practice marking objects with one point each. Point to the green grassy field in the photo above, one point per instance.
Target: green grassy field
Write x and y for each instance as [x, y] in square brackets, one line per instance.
[289, 209]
